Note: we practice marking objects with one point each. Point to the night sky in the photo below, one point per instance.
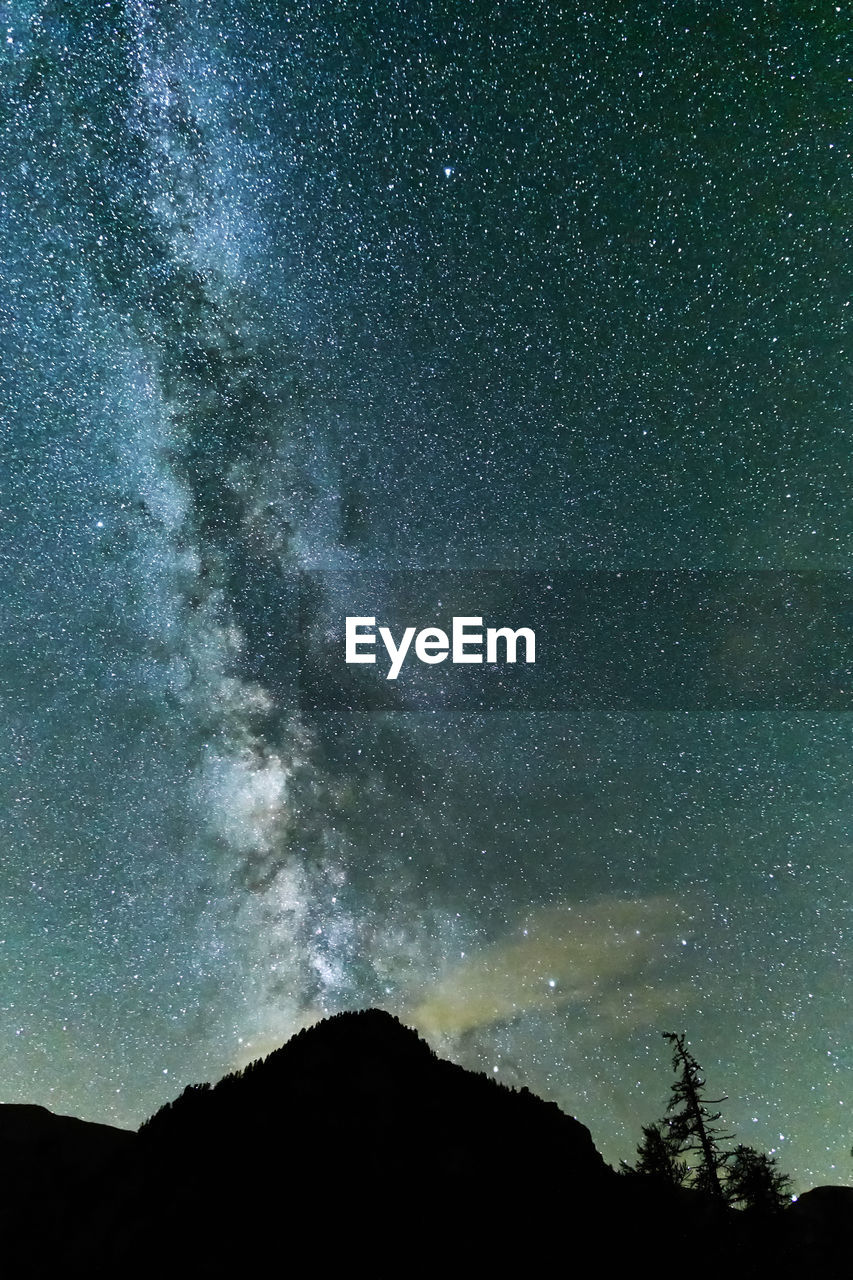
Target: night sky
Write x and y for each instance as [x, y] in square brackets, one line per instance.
[363, 286]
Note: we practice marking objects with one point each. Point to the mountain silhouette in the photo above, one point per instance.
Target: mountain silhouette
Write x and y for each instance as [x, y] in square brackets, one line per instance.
[355, 1146]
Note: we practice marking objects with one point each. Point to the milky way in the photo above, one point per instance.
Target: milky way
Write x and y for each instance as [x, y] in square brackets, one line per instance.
[364, 286]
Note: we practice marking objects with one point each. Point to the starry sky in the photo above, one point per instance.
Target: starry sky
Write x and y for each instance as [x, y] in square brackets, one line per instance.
[415, 285]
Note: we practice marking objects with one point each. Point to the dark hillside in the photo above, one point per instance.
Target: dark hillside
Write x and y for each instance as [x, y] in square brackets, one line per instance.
[353, 1145]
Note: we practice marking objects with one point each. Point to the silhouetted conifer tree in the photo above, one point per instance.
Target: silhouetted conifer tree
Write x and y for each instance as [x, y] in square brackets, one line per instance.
[692, 1126]
[658, 1155]
[754, 1181]
[745, 1178]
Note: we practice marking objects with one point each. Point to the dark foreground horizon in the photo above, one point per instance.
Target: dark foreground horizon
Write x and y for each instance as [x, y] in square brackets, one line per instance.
[355, 1143]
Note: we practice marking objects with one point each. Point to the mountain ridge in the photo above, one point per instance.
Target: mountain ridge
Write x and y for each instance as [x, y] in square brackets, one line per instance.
[357, 1136]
